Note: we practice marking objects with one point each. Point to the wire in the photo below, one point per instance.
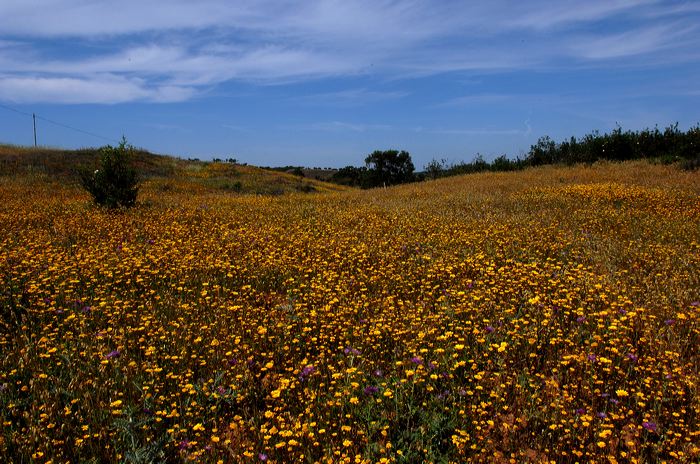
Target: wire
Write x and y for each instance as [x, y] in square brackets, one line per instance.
[92, 134]
[15, 110]
[76, 129]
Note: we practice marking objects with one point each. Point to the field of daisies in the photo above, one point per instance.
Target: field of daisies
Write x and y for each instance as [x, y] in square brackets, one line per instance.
[548, 315]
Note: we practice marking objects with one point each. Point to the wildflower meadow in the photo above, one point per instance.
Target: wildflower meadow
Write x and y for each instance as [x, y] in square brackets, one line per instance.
[547, 315]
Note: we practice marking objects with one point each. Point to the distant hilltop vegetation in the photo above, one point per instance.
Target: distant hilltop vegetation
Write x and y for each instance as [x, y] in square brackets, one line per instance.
[166, 172]
[382, 168]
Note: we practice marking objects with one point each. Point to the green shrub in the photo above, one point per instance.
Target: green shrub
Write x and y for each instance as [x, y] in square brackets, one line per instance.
[115, 182]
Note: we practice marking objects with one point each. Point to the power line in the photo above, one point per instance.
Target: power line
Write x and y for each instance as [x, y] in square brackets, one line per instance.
[76, 129]
[15, 110]
[65, 126]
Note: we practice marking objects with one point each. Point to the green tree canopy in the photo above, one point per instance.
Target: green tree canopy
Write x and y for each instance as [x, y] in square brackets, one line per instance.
[389, 167]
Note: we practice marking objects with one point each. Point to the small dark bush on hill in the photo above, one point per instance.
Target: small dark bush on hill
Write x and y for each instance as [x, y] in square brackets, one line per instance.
[115, 182]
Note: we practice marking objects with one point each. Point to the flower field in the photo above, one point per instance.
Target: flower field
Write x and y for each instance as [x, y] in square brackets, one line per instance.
[549, 315]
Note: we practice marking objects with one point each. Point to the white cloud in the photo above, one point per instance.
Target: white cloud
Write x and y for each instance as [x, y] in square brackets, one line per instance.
[171, 50]
[527, 130]
[480, 99]
[106, 89]
[77, 18]
[629, 43]
[547, 15]
[340, 126]
[351, 97]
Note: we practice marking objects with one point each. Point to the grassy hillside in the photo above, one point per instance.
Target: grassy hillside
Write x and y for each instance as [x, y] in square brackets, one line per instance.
[551, 314]
[166, 172]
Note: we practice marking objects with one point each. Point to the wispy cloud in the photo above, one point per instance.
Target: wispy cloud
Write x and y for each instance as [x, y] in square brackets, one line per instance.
[479, 99]
[351, 97]
[106, 89]
[525, 131]
[631, 43]
[236, 127]
[167, 127]
[340, 126]
[549, 15]
[174, 50]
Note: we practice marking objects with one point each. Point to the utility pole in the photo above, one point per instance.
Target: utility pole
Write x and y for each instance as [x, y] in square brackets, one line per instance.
[34, 118]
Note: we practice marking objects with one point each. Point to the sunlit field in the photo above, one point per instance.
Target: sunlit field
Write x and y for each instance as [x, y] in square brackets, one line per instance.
[548, 315]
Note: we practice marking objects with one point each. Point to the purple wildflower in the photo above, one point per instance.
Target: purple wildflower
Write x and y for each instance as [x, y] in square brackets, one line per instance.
[379, 373]
[580, 319]
[695, 303]
[489, 329]
[113, 354]
[431, 366]
[670, 321]
[262, 456]
[306, 371]
[371, 390]
[633, 357]
[351, 351]
[184, 444]
[602, 415]
[580, 411]
[650, 426]
[591, 357]
[416, 360]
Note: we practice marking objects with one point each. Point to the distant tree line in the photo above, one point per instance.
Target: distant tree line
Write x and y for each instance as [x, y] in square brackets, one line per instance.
[670, 145]
[382, 168]
[667, 146]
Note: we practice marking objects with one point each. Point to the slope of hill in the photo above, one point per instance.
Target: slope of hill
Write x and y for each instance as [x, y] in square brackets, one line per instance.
[545, 315]
[165, 172]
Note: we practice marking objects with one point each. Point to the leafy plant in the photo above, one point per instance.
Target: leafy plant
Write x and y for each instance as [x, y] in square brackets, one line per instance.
[389, 167]
[115, 182]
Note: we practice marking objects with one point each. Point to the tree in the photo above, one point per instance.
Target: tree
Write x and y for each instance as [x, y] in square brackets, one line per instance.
[115, 182]
[435, 168]
[544, 152]
[350, 175]
[389, 167]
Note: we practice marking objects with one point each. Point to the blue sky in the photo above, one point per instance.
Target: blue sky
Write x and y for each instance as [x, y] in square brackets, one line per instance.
[325, 82]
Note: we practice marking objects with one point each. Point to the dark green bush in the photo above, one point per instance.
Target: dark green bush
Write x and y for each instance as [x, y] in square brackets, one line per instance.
[115, 182]
[388, 167]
